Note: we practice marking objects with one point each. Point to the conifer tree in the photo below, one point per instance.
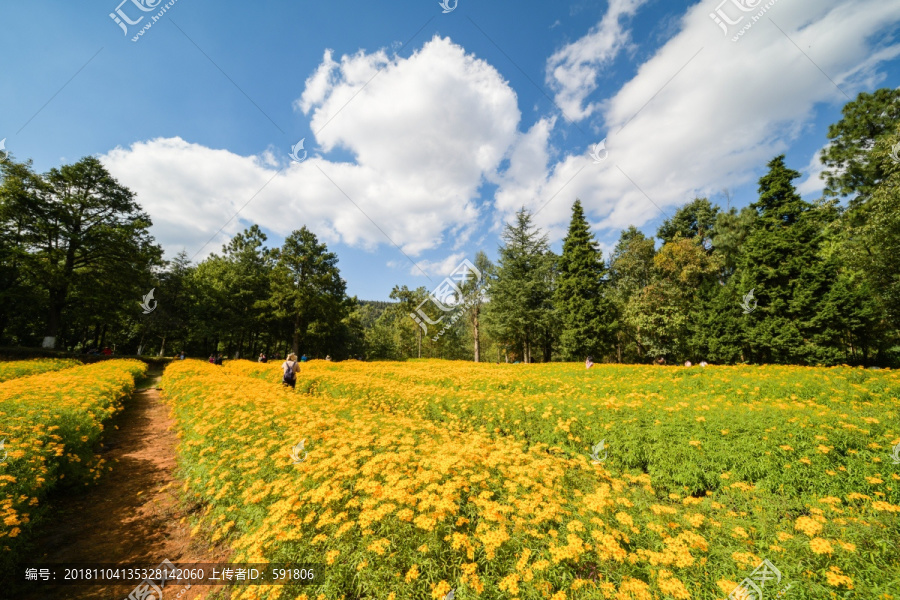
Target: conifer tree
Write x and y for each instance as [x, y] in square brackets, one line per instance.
[585, 312]
[783, 266]
[521, 310]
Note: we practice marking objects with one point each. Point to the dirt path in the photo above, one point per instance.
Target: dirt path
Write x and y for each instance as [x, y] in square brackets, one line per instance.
[133, 515]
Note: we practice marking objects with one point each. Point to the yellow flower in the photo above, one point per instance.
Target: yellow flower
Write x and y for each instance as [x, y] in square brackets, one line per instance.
[412, 574]
[439, 590]
[808, 526]
[820, 546]
[836, 578]
[510, 584]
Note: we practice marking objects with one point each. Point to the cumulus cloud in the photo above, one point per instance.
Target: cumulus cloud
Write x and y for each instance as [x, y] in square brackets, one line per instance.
[424, 132]
[573, 71]
[706, 113]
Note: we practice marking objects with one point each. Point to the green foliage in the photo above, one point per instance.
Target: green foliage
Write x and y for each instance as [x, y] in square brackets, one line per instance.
[782, 265]
[851, 168]
[522, 316]
[586, 313]
[696, 219]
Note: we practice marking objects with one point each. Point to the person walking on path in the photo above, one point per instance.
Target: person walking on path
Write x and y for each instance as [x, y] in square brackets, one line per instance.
[290, 367]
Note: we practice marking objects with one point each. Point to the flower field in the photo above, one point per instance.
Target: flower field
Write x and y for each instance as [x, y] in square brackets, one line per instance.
[51, 424]
[23, 368]
[428, 476]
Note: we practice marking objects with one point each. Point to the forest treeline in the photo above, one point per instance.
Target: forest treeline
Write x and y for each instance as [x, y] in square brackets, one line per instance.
[780, 281]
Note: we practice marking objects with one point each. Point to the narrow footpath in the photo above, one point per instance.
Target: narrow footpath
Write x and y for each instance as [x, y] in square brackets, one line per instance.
[133, 515]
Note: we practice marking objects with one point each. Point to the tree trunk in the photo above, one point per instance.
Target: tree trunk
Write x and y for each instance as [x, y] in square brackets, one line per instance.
[162, 348]
[54, 317]
[295, 343]
[475, 335]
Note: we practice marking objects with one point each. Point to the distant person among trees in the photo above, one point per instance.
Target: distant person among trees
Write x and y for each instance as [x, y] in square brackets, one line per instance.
[328, 357]
[303, 358]
[182, 355]
[290, 367]
[212, 359]
[219, 360]
[661, 361]
[262, 358]
[589, 362]
[107, 351]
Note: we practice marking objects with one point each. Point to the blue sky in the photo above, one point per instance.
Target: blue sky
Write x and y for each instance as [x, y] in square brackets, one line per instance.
[425, 131]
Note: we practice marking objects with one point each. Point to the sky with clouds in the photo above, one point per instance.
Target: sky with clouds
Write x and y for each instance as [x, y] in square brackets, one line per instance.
[425, 126]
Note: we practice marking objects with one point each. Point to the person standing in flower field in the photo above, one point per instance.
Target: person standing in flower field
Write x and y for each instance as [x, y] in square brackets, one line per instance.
[290, 367]
[589, 362]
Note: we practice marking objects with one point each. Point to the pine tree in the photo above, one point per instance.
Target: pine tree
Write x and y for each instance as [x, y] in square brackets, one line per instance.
[585, 312]
[783, 266]
[521, 312]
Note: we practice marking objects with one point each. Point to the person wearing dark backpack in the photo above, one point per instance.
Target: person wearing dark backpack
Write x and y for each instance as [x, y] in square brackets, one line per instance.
[290, 368]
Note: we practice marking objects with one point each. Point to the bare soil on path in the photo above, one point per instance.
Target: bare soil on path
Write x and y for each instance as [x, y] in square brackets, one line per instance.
[133, 515]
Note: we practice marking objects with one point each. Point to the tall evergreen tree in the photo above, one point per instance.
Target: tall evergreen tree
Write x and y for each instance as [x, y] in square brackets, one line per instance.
[521, 310]
[586, 314]
[783, 266]
[631, 270]
[307, 288]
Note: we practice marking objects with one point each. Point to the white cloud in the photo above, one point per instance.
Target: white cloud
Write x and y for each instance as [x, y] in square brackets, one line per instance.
[813, 184]
[721, 118]
[436, 268]
[425, 134]
[573, 71]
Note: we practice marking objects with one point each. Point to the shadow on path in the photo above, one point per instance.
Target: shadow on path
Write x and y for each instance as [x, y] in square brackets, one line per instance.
[133, 515]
